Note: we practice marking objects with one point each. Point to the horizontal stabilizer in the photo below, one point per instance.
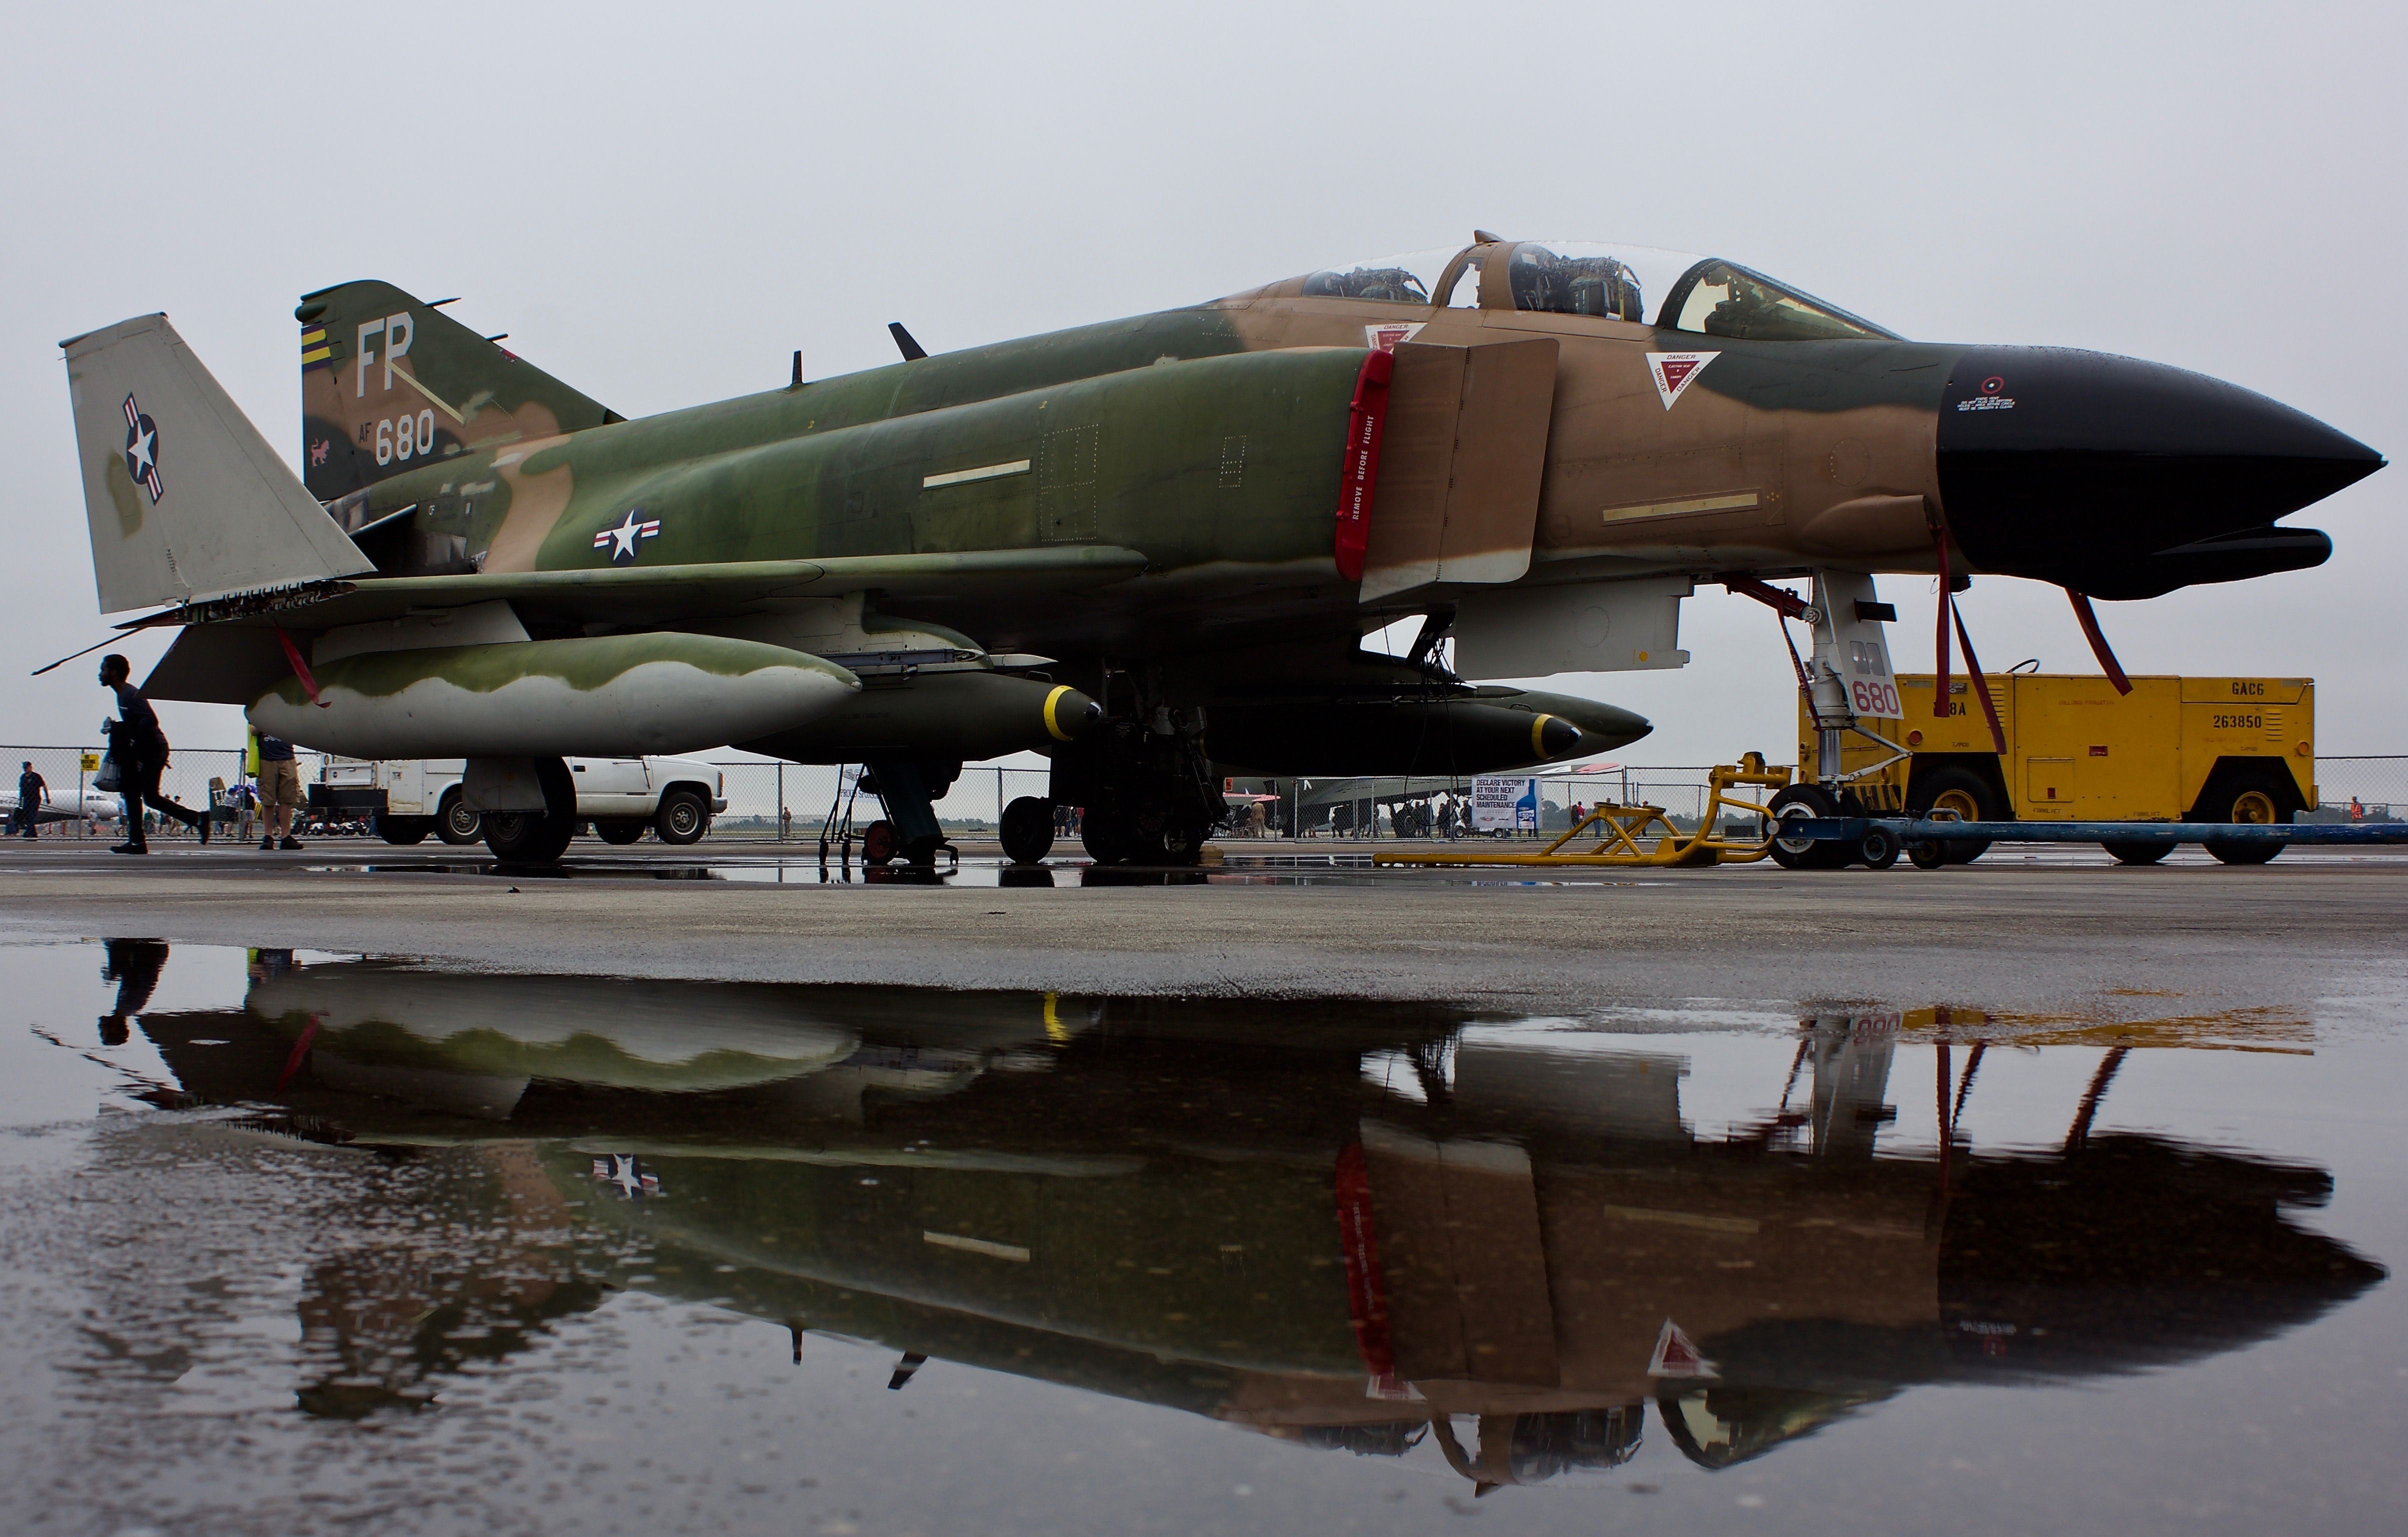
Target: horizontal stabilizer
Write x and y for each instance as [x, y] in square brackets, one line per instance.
[186, 501]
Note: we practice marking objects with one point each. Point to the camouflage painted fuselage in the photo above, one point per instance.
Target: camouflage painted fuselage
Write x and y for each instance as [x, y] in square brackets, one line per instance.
[1207, 440]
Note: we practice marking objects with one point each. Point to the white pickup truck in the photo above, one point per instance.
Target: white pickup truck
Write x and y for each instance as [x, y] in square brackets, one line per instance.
[674, 797]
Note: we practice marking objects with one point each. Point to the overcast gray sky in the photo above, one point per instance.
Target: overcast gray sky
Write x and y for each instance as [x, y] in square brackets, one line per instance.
[659, 202]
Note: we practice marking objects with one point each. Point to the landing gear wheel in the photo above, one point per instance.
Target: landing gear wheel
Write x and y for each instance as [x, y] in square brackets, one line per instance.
[1796, 803]
[2138, 853]
[1183, 843]
[455, 822]
[538, 838]
[1878, 848]
[878, 843]
[620, 830]
[2255, 802]
[1102, 834]
[1027, 830]
[1963, 792]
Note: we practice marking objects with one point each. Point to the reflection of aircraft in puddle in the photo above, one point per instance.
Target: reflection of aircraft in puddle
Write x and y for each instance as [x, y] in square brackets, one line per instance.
[1353, 1225]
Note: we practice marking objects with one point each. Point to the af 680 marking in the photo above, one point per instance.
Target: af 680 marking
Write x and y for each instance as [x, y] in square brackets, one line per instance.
[402, 437]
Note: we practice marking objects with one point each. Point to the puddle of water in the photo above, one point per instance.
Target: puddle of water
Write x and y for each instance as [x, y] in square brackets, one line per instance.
[352, 1239]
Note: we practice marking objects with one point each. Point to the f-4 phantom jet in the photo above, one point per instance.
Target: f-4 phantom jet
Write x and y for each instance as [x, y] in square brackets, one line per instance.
[1151, 548]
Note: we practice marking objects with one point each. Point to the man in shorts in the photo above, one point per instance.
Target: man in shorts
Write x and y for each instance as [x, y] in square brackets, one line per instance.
[279, 792]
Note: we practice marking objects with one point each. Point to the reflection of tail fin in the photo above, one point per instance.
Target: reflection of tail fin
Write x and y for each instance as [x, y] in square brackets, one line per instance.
[390, 383]
[186, 501]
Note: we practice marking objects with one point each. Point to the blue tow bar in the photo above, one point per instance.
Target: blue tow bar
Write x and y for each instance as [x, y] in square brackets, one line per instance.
[1916, 829]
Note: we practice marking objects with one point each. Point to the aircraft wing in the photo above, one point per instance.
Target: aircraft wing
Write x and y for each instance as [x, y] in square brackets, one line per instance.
[662, 595]
[229, 661]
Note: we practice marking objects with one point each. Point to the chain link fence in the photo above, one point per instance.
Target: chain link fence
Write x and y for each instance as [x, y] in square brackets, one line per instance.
[765, 801]
[67, 775]
[1374, 807]
[2359, 788]
[792, 801]
[2365, 789]
[770, 802]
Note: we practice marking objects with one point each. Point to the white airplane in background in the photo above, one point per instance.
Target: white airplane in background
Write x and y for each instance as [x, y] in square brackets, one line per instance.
[96, 807]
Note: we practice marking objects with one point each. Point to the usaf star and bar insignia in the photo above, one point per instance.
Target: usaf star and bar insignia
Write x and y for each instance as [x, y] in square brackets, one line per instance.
[624, 541]
[142, 451]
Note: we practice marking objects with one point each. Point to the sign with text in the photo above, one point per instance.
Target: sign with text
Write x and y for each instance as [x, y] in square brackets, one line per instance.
[1504, 803]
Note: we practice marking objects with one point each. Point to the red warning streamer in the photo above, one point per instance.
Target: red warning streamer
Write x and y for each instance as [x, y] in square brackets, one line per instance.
[1974, 680]
[1979, 684]
[300, 667]
[300, 1053]
[1359, 478]
[2097, 640]
[1939, 641]
[1359, 1244]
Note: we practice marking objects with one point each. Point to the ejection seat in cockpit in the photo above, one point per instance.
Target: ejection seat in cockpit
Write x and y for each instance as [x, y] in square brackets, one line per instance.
[1544, 280]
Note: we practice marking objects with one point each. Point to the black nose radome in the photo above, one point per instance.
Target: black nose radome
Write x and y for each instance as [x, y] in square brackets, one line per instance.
[2123, 479]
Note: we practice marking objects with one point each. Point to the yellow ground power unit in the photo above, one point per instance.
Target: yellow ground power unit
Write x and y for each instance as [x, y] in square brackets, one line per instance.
[2231, 749]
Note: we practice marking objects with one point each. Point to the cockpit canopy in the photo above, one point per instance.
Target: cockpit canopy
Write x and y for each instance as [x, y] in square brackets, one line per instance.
[1705, 294]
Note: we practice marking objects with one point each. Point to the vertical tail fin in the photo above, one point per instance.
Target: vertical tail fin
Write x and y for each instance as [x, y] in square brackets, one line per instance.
[186, 501]
[390, 383]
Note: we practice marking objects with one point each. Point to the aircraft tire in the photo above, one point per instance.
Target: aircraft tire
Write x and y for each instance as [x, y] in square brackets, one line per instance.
[455, 822]
[2138, 853]
[1026, 830]
[622, 830]
[1808, 801]
[537, 838]
[1106, 836]
[1182, 844]
[403, 830]
[878, 843]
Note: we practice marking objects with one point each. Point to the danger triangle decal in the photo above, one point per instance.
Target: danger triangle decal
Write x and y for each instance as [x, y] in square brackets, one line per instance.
[1675, 371]
[1676, 1353]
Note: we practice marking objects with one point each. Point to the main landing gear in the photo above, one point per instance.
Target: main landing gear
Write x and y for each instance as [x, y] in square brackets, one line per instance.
[1149, 793]
[537, 838]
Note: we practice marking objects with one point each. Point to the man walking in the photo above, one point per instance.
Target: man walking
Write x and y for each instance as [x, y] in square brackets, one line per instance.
[141, 750]
[279, 792]
[31, 795]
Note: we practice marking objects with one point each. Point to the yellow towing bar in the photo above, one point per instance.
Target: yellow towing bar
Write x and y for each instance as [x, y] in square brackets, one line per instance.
[1621, 832]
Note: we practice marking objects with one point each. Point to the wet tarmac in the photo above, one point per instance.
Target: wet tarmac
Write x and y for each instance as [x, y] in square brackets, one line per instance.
[298, 1241]
[2052, 933]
